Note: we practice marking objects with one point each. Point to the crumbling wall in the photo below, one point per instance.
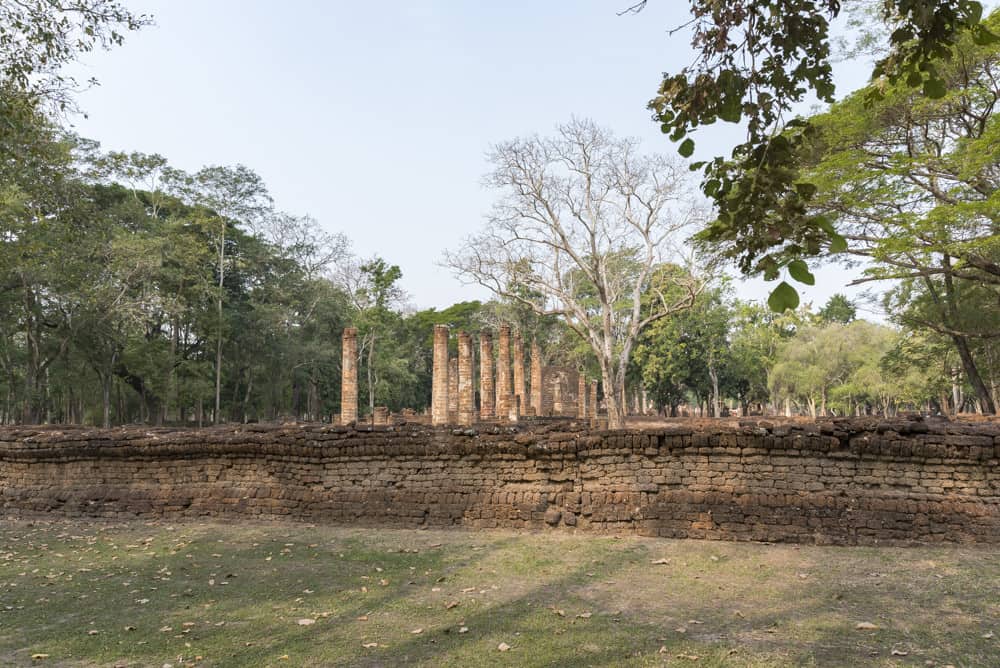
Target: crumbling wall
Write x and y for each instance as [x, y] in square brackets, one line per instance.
[829, 482]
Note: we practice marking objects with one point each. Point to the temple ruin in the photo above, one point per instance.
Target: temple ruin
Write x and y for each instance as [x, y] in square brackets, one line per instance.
[509, 385]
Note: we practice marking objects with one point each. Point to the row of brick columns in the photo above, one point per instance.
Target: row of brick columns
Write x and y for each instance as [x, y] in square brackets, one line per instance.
[452, 390]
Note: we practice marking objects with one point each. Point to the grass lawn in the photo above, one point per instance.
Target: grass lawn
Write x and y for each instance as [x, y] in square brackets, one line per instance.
[83, 593]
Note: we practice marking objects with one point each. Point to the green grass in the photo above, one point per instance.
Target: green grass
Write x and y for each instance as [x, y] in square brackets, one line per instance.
[232, 594]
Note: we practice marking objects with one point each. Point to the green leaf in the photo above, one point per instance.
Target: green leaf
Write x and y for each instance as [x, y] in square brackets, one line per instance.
[805, 190]
[838, 244]
[783, 298]
[983, 37]
[934, 88]
[686, 148]
[799, 270]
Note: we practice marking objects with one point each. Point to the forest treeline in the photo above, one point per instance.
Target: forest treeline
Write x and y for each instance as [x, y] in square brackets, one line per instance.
[132, 291]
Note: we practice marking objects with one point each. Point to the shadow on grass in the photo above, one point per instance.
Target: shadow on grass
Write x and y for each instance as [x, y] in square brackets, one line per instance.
[369, 586]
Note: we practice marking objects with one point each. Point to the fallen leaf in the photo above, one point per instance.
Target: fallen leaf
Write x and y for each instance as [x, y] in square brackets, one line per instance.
[659, 562]
[865, 626]
[561, 613]
[363, 618]
[663, 649]
[898, 652]
[689, 657]
[369, 645]
[681, 629]
[451, 604]
[503, 647]
[306, 622]
[39, 657]
[464, 629]
[584, 615]
[92, 632]
[988, 635]
[416, 631]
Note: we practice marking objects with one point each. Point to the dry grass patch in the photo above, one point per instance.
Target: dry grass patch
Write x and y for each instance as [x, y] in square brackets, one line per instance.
[235, 594]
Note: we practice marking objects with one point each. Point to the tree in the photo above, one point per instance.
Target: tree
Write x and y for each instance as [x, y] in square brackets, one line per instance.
[913, 184]
[838, 309]
[39, 37]
[582, 222]
[232, 195]
[755, 61]
[374, 291]
[687, 352]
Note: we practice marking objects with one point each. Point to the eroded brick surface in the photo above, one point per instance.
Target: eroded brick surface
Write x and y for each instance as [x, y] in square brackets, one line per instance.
[836, 481]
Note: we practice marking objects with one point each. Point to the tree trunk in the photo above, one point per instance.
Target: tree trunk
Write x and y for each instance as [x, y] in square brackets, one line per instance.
[714, 375]
[218, 346]
[972, 374]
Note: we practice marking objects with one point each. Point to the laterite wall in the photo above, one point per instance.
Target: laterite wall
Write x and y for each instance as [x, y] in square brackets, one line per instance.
[837, 481]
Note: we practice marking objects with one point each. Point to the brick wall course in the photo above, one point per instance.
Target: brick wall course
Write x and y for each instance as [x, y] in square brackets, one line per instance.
[832, 481]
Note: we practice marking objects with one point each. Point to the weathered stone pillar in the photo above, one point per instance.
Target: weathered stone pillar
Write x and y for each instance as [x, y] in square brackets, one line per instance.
[503, 373]
[581, 397]
[466, 398]
[593, 399]
[536, 377]
[515, 408]
[453, 390]
[439, 381]
[557, 396]
[487, 393]
[519, 390]
[349, 376]
[380, 417]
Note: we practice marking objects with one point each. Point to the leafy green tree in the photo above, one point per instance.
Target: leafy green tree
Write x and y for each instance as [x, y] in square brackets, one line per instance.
[756, 60]
[838, 308]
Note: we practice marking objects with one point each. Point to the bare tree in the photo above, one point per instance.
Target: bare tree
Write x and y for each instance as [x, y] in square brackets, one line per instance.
[589, 229]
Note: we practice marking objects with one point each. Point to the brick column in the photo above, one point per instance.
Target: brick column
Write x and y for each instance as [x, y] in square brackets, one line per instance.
[581, 397]
[487, 393]
[466, 398]
[453, 390]
[519, 390]
[593, 399]
[439, 382]
[536, 377]
[503, 373]
[349, 376]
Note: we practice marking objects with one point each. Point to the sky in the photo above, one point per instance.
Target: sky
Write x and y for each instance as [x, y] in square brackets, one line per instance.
[375, 117]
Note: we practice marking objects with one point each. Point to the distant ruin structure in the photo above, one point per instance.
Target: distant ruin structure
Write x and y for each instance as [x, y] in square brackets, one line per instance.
[536, 377]
[439, 378]
[503, 374]
[349, 376]
[466, 396]
[487, 392]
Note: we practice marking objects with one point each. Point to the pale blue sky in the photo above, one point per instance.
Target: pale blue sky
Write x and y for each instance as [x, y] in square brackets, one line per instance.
[374, 117]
